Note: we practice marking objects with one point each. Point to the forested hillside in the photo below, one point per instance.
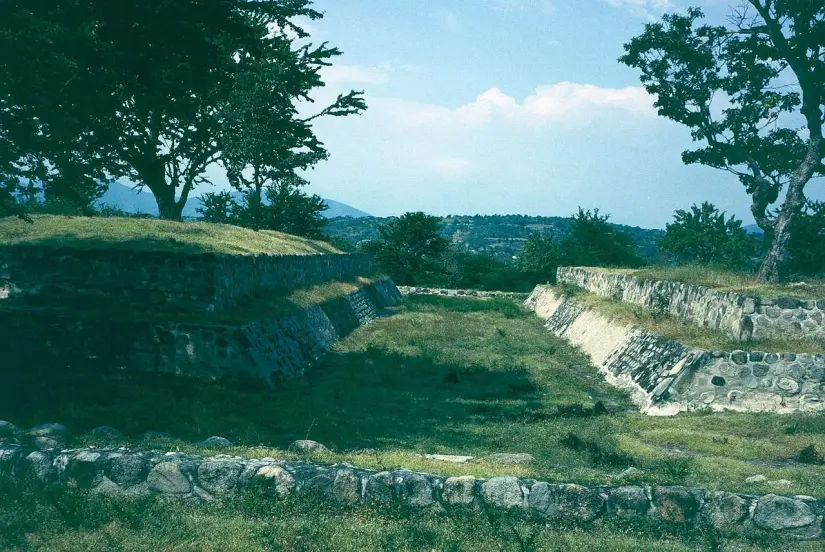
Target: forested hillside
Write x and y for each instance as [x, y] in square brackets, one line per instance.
[498, 235]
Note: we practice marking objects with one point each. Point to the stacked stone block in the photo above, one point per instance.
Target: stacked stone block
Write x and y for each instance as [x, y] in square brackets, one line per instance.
[177, 476]
[740, 316]
[210, 282]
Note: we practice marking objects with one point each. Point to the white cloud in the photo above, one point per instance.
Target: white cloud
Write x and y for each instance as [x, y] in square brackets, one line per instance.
[564, 102]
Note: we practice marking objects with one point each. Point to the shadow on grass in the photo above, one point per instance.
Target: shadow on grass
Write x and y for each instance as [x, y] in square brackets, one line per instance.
[349, 401]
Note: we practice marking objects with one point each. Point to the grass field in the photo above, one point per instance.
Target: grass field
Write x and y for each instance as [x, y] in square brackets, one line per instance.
[452, 376]
[152, 235]
[683, 330]
[725, 280]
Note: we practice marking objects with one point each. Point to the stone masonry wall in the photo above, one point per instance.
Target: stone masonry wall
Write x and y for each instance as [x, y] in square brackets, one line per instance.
[664, 376]
[173, 475]
[211, 282]
[264, 349]
[470, 293]
[740, 316]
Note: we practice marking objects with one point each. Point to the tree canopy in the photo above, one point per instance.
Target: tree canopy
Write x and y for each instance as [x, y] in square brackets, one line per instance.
[752, 93]
[156, 92]
[705, 235]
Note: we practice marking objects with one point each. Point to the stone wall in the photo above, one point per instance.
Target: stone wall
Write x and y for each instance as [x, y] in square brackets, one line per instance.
[263, 349]
[173, 475]
[470, 293]
[742, 317]
[211, 282]
[664, 376]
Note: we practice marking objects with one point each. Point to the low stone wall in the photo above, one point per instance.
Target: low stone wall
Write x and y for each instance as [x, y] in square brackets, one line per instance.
[665, 377]
[470, 293]
[740, 316]
[264, 349]
[211, 282]
[174, 475]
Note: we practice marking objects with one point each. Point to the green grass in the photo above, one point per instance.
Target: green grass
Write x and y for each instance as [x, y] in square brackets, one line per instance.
[682, 330]
[451, 376]
[152, 235]
[68, 520]
[724, 280]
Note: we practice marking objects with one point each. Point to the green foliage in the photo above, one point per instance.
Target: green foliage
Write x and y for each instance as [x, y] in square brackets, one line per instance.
[501, 236]
[410, 248]
[706, 236]
[686, 64]
[540, 257]
[157, 92]
[594, 242]
[283, 207]
[468, 270]
[807, 247]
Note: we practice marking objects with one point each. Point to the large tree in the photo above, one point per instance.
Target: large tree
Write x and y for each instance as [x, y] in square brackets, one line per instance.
[767, 70]
[705, 235]
[140, 89]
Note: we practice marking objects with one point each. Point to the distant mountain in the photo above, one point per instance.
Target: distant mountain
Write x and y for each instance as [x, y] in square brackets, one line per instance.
[753, 229]
[498, 235]
[132, 201]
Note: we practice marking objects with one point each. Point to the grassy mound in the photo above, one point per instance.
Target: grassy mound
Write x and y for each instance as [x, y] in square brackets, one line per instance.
[152, 235]
[725, 280]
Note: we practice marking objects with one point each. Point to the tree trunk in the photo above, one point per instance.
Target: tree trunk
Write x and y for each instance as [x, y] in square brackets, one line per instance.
[168, 208]
[777, 255]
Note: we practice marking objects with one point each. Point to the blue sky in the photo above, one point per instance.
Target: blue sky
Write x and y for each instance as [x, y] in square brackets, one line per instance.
[505, 106]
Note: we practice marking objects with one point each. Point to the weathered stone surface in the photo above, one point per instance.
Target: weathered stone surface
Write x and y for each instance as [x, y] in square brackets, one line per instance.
[8, 429]
[415, 489]
[503, 492]
[629, 501]
[53, 431]
[676, 504]
[459, 491]
[455, 459]
[566, 501]
[219, 476]
[778, 513]
[282, 481]
[107, 487]
[756, 479]
[40, 465]
[105, 432]
[306, 446]
[725, 510]
[85, 466]
[166, 477]
[127, 469]
[510, 458]
[345, 486]
[739, 357]
[379, 487]
[216, 442]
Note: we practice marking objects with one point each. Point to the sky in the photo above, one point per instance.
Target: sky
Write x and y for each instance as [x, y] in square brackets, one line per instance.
[505, 107]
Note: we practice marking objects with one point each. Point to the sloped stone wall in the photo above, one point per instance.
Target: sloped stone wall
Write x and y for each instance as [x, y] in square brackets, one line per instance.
[177, 476]
[264, 349]
[665, 377]
[211, 282]
[447, 292]
[742, 317]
